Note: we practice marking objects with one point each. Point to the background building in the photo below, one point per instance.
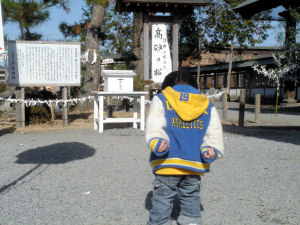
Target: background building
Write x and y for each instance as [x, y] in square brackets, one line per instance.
[222, 55]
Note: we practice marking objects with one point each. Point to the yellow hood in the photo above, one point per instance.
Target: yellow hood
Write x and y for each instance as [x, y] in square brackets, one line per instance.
[193, 106]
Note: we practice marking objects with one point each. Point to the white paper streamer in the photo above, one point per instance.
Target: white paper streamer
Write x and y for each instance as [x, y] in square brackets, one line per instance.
[277, 73]
[32, 102]
[215, 97]
[86, 55]
[95, 57]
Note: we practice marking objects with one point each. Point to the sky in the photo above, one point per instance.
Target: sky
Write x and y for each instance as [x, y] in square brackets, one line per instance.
[50, 28]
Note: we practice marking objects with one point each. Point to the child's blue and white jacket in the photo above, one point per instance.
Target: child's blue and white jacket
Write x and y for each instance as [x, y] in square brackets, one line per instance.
[189, 123]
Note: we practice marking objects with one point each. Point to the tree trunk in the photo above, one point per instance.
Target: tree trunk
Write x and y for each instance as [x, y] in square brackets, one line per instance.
[290, 31]
[137, 41]
[199, 60]
[93, 66]
[290, 38]
[22, 31]
[117, 18]
[229, 68]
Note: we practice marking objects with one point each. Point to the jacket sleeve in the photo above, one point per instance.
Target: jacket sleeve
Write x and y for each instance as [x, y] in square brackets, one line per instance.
[155, 126]
[214, 136]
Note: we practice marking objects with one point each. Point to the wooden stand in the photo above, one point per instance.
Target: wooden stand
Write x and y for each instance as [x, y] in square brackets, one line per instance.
[99, 119]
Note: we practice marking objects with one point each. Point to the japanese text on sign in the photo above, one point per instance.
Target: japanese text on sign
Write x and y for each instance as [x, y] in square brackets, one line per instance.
[161, 58]
[33, 63]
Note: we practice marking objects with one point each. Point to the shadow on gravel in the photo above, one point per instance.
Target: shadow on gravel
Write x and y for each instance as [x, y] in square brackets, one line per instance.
[83, 115]
[7, 130]
[281, 110]
[176, 206]
[52, 154]
[56, 153]
[118, 125]
[287, 134]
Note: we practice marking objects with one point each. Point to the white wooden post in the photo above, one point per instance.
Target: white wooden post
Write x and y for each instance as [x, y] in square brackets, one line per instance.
[142, 112]
[101, 112]
[96, 112]
[134, 112]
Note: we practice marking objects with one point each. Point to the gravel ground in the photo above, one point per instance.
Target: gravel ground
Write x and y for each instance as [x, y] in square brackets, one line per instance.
[81, 177]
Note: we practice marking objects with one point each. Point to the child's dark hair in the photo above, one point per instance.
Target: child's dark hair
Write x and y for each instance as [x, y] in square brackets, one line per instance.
[179, 77]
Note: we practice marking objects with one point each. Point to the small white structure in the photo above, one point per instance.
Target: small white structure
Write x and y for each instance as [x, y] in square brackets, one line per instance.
[99, 119]
[118, 80]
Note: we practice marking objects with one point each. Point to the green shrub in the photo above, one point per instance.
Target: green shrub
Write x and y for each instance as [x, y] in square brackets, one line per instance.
[138, 84]
[41, 113]
[37, 114]
[3, 87]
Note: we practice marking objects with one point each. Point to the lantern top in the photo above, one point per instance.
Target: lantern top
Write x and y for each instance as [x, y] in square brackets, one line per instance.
[157, 5]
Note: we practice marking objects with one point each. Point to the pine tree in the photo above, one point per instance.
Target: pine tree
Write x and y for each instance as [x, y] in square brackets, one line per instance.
[28, 14]
[115, 35]
[101, 27]
[118, 30]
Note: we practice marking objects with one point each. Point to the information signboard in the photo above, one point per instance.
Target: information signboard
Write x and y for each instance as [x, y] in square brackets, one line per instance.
[42, 63]
[161, 56]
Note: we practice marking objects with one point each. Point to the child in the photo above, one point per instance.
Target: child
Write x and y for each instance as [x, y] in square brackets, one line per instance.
[184, 134]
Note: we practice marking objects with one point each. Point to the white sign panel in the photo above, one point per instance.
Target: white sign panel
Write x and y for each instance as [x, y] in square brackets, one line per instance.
[107, 61]
[118, 80]
[35, 63]
[161, 57]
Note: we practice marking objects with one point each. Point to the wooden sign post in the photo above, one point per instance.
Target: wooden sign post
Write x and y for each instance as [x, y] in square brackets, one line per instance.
[149, 13]
[257, 108]
[20, 107]
[65, 107]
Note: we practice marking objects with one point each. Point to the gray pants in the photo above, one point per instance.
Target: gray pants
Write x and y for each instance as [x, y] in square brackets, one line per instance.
[187, 189]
